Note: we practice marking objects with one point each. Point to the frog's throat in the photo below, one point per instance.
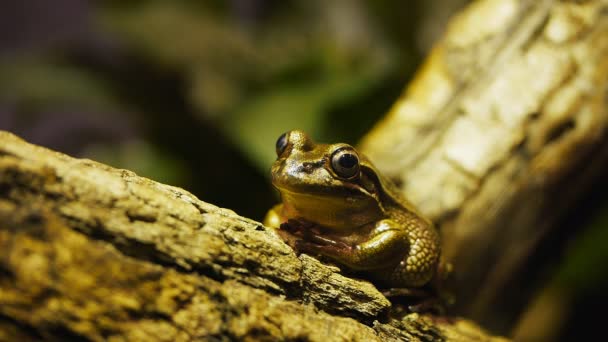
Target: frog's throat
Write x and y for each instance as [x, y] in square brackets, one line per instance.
[337, 212]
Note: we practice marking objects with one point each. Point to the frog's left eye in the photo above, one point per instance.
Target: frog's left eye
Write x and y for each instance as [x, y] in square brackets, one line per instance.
[281, 144]
[345, 163]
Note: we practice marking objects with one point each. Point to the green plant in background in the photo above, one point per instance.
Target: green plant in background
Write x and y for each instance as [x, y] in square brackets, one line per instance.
[319, 66]
[256, 81]
[184, 76]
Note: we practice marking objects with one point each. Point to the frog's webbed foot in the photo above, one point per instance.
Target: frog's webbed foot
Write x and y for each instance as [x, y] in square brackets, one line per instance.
[431, 304]
[384, 246]
[323, 246]
[405, 292]
[420, 300]
[304, 236]
[296, 227]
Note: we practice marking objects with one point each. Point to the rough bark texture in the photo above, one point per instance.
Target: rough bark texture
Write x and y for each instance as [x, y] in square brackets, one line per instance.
[500, 133]
[94, 253]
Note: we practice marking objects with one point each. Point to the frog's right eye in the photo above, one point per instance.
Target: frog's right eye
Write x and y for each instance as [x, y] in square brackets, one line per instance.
[345, 163]
[281, 144]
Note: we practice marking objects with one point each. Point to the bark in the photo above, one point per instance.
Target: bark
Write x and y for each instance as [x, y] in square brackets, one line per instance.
[95, 253]
[499, 135]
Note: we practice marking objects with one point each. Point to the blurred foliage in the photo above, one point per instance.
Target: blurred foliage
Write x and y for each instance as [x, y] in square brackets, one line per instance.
[40, 84]
[582, 278]
[259, 78]
[140, 155]
[573, 276]
[584, 268]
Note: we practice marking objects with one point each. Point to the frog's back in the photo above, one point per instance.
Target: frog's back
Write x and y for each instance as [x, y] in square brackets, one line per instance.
[391, 195]
[419, 263]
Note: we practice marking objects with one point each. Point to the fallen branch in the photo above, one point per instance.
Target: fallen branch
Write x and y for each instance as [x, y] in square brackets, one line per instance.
[91, 252]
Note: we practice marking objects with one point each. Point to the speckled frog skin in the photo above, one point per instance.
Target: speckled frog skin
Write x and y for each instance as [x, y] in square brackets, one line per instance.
[336, 204]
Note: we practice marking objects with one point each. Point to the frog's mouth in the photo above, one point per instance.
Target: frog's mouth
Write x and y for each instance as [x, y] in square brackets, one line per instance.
[319, 190]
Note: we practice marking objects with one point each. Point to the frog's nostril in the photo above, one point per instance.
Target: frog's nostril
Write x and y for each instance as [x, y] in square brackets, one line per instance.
[308, 167]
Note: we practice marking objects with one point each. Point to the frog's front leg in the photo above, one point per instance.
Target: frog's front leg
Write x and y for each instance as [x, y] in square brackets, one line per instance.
[273, 219]
[387, 244]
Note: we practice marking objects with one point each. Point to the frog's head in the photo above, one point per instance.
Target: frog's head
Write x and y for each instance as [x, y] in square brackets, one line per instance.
[329, 184]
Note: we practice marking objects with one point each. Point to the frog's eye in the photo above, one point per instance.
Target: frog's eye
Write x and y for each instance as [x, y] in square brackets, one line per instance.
[281, 144]
[345, 163]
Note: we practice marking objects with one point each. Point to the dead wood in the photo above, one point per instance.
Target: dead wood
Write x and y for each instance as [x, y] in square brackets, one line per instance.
[500, 134]
[95, 253]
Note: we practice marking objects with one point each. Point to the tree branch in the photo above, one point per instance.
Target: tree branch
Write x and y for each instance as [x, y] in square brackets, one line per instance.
[91, 252]
[501, 132]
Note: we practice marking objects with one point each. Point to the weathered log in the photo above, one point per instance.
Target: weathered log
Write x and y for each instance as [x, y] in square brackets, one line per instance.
[500, 134]
[95, 253]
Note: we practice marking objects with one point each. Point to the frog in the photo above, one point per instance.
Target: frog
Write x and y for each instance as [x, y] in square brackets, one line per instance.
[337, 205]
